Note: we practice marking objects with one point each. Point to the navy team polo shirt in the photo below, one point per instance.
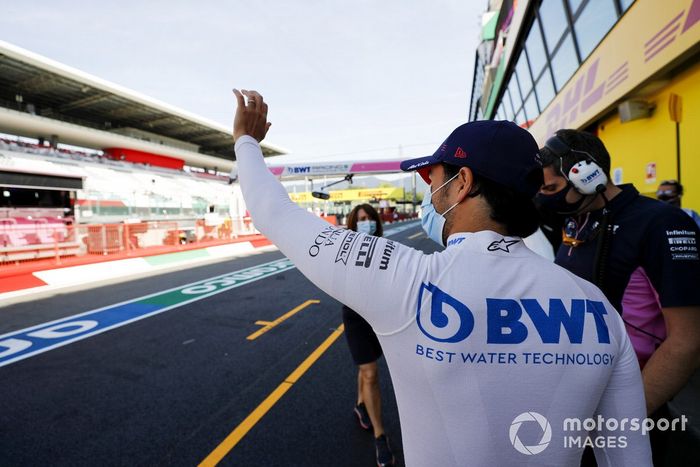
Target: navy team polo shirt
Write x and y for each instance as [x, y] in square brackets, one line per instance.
[652, 262]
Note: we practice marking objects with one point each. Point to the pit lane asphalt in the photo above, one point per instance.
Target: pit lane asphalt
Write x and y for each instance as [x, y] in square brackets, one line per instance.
[168, 389]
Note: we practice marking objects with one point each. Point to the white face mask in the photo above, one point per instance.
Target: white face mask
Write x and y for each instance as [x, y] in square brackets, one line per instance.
[432, 222]
[368, 227]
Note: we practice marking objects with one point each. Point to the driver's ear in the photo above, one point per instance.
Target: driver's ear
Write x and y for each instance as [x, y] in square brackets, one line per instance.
[466, 179]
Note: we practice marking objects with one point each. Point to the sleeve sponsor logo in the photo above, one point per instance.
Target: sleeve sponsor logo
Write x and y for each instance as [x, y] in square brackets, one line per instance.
[327, 237]
[330, 236]
[346, 247]
[680, 232]
[685, 256]
[681, 241]
[682, 245]
[366, 252]
[386, 255]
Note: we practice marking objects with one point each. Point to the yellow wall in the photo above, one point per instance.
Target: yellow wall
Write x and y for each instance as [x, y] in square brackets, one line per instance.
[361, 194]
[625, 51]
[634, 144]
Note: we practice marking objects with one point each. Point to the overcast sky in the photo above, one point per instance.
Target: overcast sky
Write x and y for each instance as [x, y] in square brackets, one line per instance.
[344, 79]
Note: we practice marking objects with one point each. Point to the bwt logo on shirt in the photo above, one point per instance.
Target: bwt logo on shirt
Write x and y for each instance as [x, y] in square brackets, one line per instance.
[443, 318]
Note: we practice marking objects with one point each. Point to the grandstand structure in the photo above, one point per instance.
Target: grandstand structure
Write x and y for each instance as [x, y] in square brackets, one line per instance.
[626, 70]
[88, 165]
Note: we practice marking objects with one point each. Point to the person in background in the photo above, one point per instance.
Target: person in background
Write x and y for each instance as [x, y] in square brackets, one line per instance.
[642, 253]
[366, 350]
[670, 192]
[539, 243]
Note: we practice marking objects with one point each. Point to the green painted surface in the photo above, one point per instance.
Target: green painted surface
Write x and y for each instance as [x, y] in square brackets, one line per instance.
[165, 299]
[497, 82]
[488, 30]
[176, 257]
[215, 285]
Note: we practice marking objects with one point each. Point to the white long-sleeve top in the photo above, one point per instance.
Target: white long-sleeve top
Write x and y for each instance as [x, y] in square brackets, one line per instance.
[494, 352]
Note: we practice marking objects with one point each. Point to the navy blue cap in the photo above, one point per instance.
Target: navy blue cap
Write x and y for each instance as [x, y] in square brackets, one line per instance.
[495, 149]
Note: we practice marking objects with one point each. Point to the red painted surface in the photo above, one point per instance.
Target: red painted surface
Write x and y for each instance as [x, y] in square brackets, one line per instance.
[141, 157]
[105, 203]
[19, 277]
[20, 282]
[260, 242]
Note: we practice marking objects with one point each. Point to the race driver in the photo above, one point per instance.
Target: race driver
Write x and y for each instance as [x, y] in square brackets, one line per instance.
[485, 341]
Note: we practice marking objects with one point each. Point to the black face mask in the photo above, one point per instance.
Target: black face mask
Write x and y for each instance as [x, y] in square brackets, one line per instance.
[557, 202]
[672, 199]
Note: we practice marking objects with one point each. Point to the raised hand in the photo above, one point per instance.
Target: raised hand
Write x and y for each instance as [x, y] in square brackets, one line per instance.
[251, 117]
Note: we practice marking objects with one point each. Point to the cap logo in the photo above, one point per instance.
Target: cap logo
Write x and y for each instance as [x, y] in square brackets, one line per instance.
[460, 154]
[443, 148]
[419, 164]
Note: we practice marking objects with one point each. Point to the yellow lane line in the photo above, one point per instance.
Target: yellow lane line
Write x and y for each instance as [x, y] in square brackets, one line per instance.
[254, 417]
[415, 235]
[267, 325]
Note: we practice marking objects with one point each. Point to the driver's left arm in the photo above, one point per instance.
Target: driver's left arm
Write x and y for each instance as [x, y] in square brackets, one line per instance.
[372, 275]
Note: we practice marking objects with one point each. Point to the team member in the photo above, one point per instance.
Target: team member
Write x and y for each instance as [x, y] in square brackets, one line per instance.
[482, 337]
[670, 192]
[642, 253]
[366, 350]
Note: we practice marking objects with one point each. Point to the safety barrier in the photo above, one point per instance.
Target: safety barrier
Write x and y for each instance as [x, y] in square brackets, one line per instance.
[22, 241]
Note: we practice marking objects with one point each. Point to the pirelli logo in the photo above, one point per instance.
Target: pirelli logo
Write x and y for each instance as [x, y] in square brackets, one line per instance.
[366, 252]
[682, 245]
[681, 241]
